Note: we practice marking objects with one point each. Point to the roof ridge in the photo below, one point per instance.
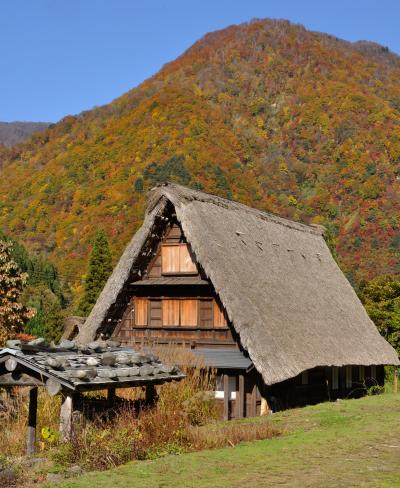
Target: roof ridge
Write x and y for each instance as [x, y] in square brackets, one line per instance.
[183, 193]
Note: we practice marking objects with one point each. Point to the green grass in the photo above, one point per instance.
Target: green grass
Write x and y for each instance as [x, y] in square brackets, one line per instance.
[351, 443]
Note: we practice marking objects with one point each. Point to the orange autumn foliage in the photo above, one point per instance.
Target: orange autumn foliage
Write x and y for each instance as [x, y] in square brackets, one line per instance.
[287, 120]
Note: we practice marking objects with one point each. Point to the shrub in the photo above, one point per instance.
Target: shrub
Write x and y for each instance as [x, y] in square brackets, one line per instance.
[183, 419]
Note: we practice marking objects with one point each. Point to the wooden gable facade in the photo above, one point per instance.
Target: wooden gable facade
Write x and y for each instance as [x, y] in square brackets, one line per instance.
[173, 302]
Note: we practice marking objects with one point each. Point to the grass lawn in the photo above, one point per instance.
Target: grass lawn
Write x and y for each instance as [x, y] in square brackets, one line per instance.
[350, 443]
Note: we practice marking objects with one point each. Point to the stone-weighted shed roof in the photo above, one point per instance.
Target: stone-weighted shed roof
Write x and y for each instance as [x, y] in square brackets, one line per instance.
[284, 294]
[94, 366]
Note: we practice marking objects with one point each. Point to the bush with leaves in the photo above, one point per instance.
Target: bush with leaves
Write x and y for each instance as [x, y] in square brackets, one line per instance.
[381, 298]
[13, 314]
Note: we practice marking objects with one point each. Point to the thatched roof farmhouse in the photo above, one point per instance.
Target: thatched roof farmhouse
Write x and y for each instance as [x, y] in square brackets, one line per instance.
[288, 307]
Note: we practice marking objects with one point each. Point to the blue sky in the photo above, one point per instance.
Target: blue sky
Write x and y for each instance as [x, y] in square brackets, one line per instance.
[60, 57]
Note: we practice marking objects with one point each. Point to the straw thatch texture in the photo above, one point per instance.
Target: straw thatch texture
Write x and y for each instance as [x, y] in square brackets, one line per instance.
[284, 294]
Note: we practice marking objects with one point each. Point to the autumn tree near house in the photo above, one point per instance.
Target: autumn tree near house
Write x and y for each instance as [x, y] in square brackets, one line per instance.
[381, 298]
[13, 314]
[44, 291]
[99, 269]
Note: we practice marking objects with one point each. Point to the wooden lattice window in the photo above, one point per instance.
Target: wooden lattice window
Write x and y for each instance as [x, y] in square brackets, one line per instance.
[176, 259]
[170, 312]
[155, 311]
[219, 315]
[191, 312]
[188, 312]
[206, 312]
[141, 311]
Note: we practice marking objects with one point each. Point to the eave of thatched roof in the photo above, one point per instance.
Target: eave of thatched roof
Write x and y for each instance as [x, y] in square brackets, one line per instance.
[284, 294]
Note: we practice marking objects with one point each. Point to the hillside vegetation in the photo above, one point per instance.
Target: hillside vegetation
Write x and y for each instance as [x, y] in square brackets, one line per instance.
[12, 133]
[290, 121]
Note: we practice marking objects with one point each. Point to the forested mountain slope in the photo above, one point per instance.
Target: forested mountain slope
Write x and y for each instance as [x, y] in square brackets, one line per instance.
[295, 122]
[12, 133]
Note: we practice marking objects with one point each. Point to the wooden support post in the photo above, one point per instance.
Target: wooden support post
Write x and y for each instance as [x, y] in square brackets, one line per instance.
[31, 433]
[67, 407]
[254, 400]
[265, 408]
[151, 395]
[396, 380]
[110, 396]
[240, 397]
[226, 397]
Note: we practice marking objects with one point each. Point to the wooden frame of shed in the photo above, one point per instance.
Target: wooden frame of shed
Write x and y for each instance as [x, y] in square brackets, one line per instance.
[71, 372]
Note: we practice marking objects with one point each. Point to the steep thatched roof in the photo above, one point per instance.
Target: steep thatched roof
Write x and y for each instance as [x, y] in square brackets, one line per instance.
[284, 294]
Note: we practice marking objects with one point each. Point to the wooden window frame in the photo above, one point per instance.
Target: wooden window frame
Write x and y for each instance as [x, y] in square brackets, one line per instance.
[176, 306]
[149, 322]
[201, 302]
[182, 312]
[163, 299]
[145, 311]
[219, 315]
[178, 272]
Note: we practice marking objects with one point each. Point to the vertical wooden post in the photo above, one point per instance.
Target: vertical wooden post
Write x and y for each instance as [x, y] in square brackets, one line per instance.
[151, 395]
[31, 432]
[110, 396]
[240, 397]
[396, 379]
[254, 400]
[67, 407]
[226, 397]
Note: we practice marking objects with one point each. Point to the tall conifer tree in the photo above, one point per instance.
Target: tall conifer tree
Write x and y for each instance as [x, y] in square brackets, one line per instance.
[99, 270]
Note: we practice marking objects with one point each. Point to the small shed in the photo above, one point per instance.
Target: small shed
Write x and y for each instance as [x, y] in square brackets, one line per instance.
[71, 369]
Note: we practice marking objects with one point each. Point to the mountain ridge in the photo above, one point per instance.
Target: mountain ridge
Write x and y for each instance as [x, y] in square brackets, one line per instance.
[12, 133]
[298, 123]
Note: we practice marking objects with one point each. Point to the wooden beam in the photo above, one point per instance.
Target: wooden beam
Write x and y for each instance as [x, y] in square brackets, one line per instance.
[151, 395]
[226, 397]
[18, 379]
[67, 407]
[31, 431]
[240, 397]
[254, 400]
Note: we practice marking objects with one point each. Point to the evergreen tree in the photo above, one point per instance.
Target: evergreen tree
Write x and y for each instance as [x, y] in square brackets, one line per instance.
[99, 270]
[13, 314]
[48, 321]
